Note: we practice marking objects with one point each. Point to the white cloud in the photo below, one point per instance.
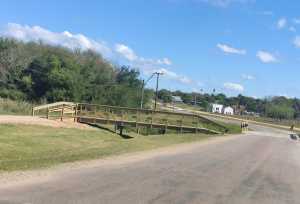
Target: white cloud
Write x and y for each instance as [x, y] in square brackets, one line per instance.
[234, 87]
[175, 76]
[65, 39]
[266, 57]
[286, 95]
[225, 3]
[164, 61]
[297, 41]
[231, 50]
[248, 77]
[74, 41]
[148, 66]
[126, 52]
[281, 23]
[131, 56]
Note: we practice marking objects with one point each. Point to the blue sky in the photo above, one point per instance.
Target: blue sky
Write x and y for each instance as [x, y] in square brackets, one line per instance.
[235, 46]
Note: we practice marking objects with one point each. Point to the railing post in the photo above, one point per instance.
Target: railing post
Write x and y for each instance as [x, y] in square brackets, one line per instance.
[166, 126]
[181, 128]
[47, 114]
[151, 126]
[137, 121]
[197, 125]
[107, 115]
[62, 112]
[75, 113]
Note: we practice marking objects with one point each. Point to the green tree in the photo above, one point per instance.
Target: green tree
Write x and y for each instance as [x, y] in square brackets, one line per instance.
[279, 111]
[165, 95]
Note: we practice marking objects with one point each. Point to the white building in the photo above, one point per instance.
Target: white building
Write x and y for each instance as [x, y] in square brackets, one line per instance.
[176, 99]
[217, 108]
[228, 110]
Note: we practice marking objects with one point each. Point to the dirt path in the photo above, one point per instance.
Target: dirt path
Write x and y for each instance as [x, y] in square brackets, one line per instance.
[29, 120]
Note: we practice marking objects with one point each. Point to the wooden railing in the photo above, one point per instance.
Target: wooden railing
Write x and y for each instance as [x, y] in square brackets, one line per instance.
[146, 116]
[57, 110]
[105, 114]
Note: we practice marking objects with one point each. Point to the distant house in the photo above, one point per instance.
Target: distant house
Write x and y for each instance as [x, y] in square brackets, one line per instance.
[177, 99]
[217, 108]
[228, 111]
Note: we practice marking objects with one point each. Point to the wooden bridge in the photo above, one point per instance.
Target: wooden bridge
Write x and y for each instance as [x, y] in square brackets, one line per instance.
[129, 117]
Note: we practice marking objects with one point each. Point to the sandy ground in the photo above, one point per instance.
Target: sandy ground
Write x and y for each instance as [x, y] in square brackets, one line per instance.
[29, 120]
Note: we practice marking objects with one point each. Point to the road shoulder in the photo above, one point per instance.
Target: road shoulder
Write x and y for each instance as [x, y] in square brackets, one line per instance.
[20, 178]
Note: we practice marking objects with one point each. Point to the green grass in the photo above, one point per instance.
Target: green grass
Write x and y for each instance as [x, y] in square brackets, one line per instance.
[189, 107]
[11, 107]
[261, 119]
[29, 147]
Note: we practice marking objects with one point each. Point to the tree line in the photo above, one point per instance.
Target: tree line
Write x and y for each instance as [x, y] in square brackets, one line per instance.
[38, 73]
[277, 107]
[41, 73]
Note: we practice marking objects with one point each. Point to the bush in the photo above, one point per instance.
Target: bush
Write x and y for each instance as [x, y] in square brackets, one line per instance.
[8, 106]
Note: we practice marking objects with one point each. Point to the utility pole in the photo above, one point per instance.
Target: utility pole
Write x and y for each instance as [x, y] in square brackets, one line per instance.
[142, 95]
[156, 92]
[144, 84]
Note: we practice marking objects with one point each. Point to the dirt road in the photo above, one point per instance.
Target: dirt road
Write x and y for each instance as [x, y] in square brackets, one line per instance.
[29, 120]
[261, 167]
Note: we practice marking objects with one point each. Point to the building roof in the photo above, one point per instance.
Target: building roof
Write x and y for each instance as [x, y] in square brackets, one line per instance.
[215, 104]
[176, 98]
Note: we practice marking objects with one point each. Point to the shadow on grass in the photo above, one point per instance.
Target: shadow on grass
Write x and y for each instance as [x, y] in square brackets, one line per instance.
[124, 136]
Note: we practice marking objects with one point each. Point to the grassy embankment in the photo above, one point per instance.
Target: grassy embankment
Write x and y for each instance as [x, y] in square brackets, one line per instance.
[30, 147]
[271, 121]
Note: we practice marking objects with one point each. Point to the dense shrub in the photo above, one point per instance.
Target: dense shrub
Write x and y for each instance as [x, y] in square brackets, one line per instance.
[35, 72]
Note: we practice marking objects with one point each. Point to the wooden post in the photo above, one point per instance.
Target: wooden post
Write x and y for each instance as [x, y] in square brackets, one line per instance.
[197, 123]
[32, 111]
[166, 126]
[107, 115]
[136, 121]
[75, 113]
[151, 120]
[62, 112]
[122, 115]
[181, 129]
[116, 127]
[47, 114]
